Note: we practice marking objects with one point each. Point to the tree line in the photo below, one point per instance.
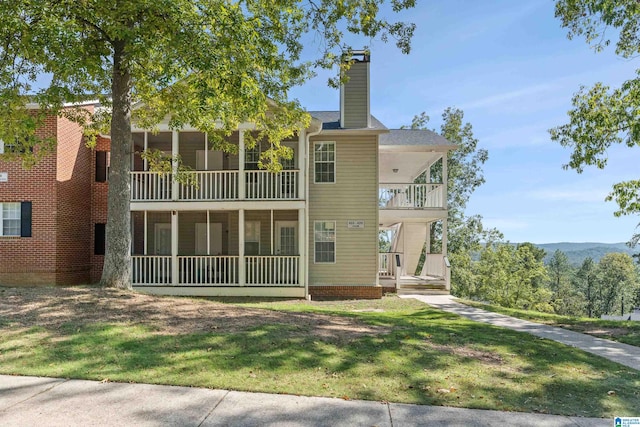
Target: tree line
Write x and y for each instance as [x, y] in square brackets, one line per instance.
[515, 276]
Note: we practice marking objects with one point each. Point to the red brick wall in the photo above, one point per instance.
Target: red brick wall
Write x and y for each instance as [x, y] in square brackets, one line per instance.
[345, 292]
[98, 208]
[31, 260]
[74, 229]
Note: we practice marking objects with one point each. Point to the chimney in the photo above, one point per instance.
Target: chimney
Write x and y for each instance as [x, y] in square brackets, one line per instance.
[354, 94]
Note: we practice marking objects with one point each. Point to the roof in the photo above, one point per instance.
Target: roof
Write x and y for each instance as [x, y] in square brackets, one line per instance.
[413, 137]
[331, 120]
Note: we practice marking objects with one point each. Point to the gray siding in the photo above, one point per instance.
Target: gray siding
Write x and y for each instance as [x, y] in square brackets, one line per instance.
[356, 97]
[354, 196]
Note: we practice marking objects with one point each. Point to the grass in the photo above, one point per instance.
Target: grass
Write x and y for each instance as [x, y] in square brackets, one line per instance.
[627, 332]
[426, 356]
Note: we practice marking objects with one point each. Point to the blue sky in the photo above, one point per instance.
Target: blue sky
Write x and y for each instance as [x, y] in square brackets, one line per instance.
[510, 67]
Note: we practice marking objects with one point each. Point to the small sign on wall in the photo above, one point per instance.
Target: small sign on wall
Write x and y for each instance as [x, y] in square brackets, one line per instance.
[355, 223]
[4, 177]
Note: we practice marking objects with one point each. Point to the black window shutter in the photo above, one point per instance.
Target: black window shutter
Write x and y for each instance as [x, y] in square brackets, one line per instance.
[101, 166]
[25, 219]
[99, 239]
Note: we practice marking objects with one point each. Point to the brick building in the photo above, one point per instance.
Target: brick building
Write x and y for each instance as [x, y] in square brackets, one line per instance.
[47, 231]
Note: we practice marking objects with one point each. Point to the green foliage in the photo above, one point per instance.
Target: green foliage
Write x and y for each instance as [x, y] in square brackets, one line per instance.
[603, 116]
[513, 277]
[567, 298]
[617, 286]
[585, 281]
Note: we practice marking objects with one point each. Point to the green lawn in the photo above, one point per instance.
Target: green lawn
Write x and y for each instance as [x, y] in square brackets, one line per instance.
[625, 331]
[418, 355]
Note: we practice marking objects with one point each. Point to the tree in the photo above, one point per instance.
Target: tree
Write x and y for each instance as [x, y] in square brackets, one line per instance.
[602, 116]
[586, 282]
[509, 276]
[617, 284]
[209, 63]
[567, 299]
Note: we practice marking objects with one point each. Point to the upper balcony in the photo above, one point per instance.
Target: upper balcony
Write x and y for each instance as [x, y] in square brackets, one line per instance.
[223, 185]
[217, 175]
[411, 196]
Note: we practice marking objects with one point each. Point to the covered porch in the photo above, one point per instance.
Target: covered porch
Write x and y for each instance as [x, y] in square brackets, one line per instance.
[412, 199]
[219, 252]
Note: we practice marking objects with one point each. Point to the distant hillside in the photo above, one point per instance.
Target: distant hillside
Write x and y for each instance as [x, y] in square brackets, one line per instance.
[578, 252]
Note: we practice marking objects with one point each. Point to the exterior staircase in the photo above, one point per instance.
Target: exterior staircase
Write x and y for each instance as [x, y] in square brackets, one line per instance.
[421, 285]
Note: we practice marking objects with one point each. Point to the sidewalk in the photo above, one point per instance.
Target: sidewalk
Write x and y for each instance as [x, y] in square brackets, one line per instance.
[623, 354]
[33, 401]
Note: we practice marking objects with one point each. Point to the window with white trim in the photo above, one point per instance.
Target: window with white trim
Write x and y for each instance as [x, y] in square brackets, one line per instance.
[324, 237]
[10, 219]
[252, 157]
[324, 160]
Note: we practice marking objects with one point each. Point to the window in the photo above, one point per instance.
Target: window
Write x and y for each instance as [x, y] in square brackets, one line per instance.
[325, 241]
[99, 239]
[324, 156]
[10, 219]
[103, 162]
[252, 157]
[252, 237]
[6, 148]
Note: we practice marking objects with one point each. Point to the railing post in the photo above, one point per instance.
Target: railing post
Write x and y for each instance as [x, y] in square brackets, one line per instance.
[241, 260]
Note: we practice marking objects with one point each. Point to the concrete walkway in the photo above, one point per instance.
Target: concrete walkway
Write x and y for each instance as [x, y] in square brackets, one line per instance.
[33, 401]
[624, 354]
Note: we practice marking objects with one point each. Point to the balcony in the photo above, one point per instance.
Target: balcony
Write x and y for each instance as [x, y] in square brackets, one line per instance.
[411, 196]
[215, 186]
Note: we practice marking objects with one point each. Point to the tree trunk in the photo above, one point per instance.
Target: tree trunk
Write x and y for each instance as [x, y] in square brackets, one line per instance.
[117, 262]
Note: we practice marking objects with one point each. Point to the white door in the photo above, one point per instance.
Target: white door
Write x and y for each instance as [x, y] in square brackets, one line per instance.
[286, 238]
[162, 239]
[215, 238]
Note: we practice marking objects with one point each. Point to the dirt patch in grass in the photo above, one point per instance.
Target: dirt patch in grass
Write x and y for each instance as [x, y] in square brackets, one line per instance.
[55, 307]
[467, 352]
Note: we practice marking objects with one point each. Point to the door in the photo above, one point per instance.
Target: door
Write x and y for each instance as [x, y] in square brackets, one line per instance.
[162, 239]
[286, 238]
[161, 267]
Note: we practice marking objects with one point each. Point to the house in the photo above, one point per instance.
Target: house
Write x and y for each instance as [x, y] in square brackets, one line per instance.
[312, 229]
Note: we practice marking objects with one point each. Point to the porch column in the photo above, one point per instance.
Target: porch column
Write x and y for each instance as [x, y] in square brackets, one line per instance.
[145, 165]
[445, 180]
[444, 237]
[175, 150]
[302, 155]
[241, 262]
[241, 178]
[145, 240]
[174, 247]
[428, 239]
[302, 248]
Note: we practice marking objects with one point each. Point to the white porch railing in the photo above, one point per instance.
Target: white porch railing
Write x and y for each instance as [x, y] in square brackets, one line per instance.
[267, 185]
[216, 185]
[151, 269]
[150, 186]
[208, 270]
[211, 185]
[411, 196]
[272, 270]
[390, 265]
